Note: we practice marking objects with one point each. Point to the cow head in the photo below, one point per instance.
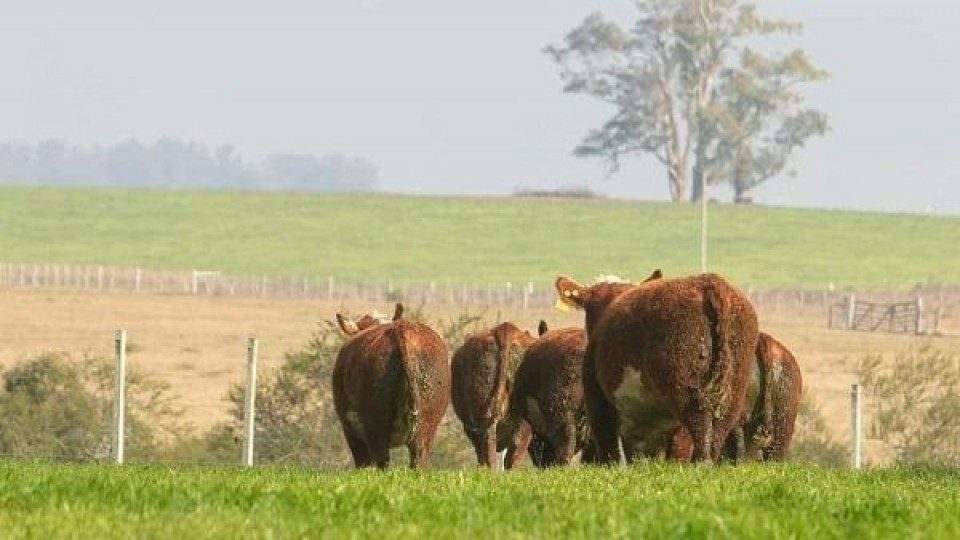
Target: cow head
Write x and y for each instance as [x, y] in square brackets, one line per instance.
[594, 299]
[351, 327]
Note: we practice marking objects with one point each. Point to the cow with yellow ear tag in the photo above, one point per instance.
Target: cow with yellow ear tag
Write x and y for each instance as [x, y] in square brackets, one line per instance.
[593, 299]
[661, 354]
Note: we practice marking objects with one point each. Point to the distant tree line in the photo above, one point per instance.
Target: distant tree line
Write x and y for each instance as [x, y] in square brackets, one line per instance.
[171, 163]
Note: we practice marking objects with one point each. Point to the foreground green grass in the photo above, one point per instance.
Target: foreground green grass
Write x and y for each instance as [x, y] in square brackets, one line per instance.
[480, 240]
[645, 501]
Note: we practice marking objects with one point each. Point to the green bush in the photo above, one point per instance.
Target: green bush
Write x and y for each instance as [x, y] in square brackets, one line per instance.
[59, 408]
[812, 440]
[915, 401]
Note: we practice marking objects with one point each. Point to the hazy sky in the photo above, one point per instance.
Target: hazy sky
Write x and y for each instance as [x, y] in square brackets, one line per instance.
[455, 96]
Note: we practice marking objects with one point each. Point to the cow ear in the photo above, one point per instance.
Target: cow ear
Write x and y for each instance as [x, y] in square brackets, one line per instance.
[542, 327]
[570, 293]
[657, 274]
[398, 312]
[348, 327]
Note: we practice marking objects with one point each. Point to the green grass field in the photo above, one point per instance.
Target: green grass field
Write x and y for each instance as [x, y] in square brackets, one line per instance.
[479, 240]
[644, 501]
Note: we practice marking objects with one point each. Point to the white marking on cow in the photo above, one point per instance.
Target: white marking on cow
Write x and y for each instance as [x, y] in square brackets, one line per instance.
[500, 461]
[380, 317]
[631, 395]
[777, 371]
[643, 418]
[608, 278]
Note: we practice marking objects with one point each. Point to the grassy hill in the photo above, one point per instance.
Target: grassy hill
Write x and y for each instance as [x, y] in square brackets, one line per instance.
[491, 240]
[659, 500]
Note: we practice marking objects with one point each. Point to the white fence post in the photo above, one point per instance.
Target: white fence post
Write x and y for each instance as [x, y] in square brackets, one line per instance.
[119, 397]
[249, 402]
[918, 326]
[856, 422]
[851, 311]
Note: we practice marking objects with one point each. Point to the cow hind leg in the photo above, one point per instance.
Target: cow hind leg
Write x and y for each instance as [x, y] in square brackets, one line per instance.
[380, 455]
[476, 439]
[518, 446]
[537, 450]
[565, 442]
[700, 422]
[734, 447]
[421, 444]
[358, 448]
[777, 449]
[418, 454]
[489, 457]
[378, 446]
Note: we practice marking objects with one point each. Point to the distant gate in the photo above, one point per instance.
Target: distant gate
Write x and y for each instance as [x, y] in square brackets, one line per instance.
[854, 314]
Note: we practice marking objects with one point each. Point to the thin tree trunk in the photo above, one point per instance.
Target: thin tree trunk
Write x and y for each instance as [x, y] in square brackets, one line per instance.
[677, 174]
[696, 187]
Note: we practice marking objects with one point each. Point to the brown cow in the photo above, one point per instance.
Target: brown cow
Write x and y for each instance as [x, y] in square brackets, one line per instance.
[773, 399]
[769, 431]
[664, 353]
[482, 377]
[548, 394]
[391, 387]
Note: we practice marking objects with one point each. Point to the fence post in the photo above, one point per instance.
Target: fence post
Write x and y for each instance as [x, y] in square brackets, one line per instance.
[249, 402]
[119, 396]
[851, 311]
[856, 421]
[918, 322]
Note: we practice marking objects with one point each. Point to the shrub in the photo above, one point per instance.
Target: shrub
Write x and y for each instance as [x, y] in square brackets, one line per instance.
[55, 407]
[813, 442]
[296, 422]
[915, 399]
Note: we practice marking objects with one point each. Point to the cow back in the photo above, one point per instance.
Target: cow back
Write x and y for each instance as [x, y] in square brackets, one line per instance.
[667, 348]
[480, 381]
[391, 378]
[548, 394]
[769, 428]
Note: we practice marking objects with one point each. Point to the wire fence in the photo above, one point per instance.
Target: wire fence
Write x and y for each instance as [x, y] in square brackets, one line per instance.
[937, 299]
[112, 437]
[934, 303]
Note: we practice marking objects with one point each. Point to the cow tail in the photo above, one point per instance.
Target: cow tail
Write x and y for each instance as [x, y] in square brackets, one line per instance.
[504, 340]
[408, 364]
[768, 385]
[718, 370]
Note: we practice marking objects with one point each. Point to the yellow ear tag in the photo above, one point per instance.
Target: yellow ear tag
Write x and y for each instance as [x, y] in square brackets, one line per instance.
[561, 304]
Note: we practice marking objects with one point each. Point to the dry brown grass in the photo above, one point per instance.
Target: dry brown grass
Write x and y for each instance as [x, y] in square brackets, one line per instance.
[198, 344]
